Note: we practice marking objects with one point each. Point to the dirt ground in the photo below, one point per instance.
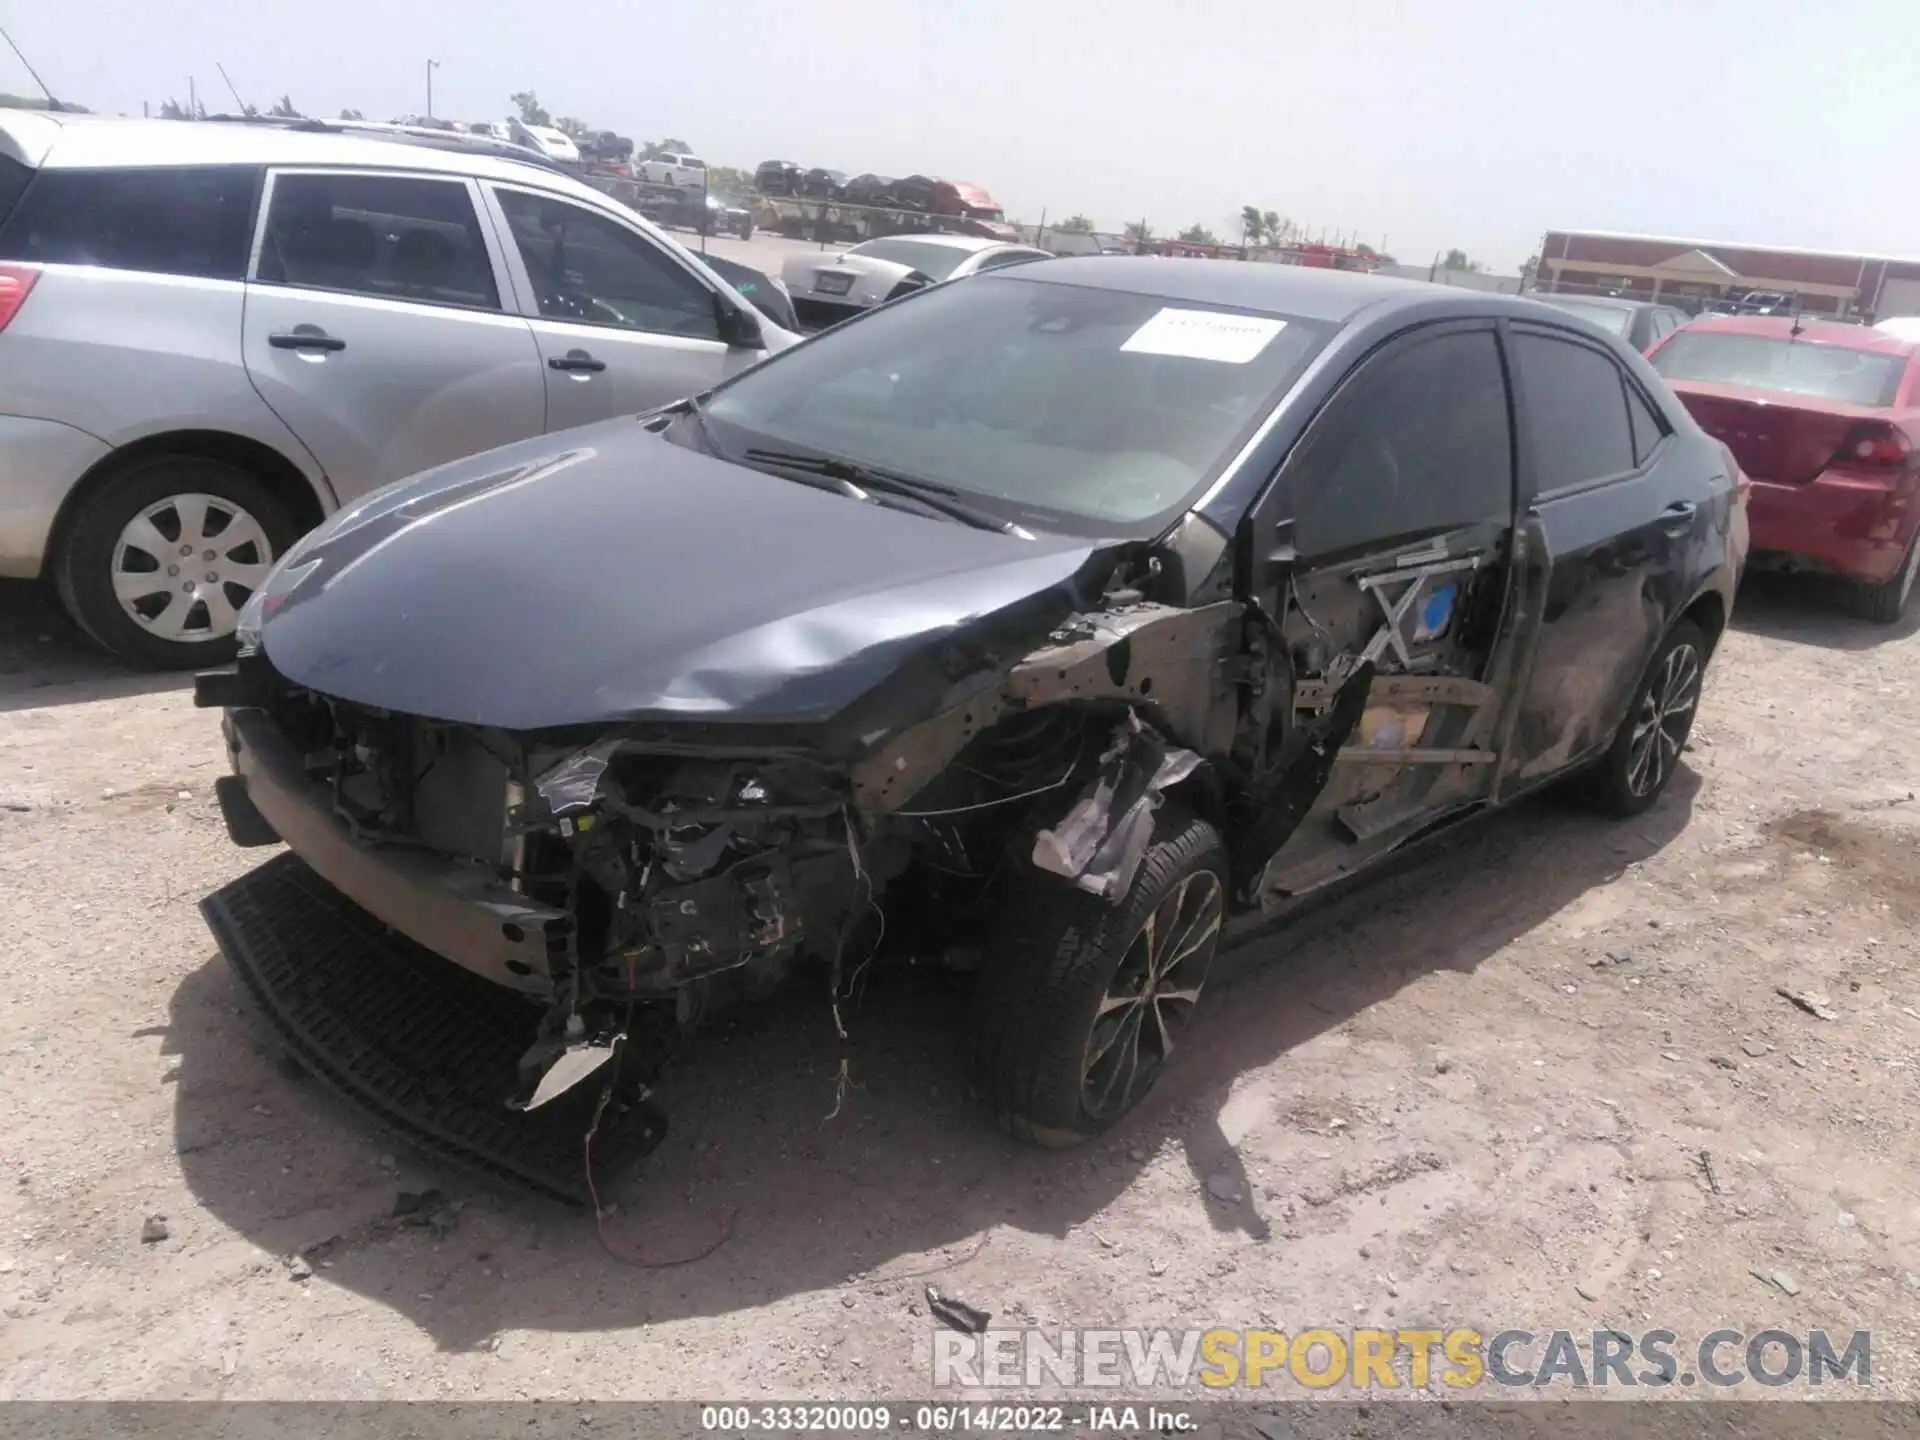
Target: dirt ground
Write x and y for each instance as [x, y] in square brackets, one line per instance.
[1477, 1091]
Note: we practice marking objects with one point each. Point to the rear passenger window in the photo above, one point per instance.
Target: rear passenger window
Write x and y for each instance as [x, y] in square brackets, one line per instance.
[1420, 443]
[161, 220]
[1648, 431]
[594, 271]
[1576, 407]
[393, 236]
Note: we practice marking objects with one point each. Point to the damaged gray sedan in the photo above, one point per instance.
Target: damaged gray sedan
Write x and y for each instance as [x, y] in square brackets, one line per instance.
[1052, 624]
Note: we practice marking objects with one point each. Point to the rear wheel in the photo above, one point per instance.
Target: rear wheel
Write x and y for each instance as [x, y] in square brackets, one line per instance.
[1081, 1003]
[1885, 603]
[161, 557]
[1646, 749]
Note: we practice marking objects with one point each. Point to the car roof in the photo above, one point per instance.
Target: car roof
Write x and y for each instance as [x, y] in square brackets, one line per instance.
[98, 142]
[937, 237]
[1308, 292]
[1806, 331]
[1603, 302]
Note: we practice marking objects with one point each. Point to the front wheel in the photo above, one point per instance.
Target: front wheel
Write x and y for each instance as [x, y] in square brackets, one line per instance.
[1646, 749]
[160, 559]
[1081, 1003]
[1885, 603]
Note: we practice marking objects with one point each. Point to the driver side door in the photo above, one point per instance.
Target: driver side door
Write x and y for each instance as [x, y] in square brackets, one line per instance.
[1389, 551]
[621, 324]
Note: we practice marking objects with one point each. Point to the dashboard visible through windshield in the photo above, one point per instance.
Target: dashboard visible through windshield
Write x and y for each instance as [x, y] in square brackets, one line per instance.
[1073, 408]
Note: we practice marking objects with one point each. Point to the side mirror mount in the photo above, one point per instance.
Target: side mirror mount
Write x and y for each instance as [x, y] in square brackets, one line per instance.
[739, 326]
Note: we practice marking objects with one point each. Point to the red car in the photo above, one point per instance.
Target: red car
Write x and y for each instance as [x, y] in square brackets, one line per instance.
[1822, 417]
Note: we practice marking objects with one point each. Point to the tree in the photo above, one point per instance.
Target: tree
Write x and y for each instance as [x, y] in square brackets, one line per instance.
[1276, 227]
[1253, 225]
[1528, 271]
[669, 146]
[1138, 230]
[1075, 225]
[572, 128]
[171, 109]
[532, 112]
[1456, 259]
[351, 115]
[284, 108]
[1197, 234]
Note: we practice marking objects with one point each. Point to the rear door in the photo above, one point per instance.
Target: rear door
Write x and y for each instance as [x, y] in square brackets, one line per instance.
[622, 325]
[375, 326]
[1619, 513]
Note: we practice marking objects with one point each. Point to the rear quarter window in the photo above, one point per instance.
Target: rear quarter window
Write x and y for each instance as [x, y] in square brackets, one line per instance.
[13, 182]
[162, 220]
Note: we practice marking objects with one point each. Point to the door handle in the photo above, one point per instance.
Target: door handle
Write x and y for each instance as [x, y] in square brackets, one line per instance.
[1678, 516]
[577, 362]
[306, 337]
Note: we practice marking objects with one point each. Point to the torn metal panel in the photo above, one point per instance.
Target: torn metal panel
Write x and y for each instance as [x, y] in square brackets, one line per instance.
[1281, 800]
[1165, 660]
[1100, 843]
[1155, 655]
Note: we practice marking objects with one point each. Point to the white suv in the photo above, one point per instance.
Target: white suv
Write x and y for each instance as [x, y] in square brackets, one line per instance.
[675, 170]
[214, 334]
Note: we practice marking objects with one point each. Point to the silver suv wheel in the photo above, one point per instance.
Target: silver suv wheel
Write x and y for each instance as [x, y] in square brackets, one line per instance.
[182, 568]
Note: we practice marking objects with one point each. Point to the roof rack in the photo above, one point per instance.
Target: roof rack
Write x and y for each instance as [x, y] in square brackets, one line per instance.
[429, 137]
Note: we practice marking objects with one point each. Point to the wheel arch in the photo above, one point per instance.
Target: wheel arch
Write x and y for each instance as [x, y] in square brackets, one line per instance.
[1709, 612]
[305, 504]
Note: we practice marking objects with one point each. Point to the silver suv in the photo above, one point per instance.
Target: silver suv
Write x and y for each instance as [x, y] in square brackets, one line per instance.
[212, 335]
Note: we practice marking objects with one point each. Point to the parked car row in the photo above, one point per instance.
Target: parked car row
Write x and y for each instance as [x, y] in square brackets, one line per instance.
[969, 206]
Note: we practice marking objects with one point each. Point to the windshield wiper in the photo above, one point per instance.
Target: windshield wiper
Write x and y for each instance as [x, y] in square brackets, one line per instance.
[863, 482]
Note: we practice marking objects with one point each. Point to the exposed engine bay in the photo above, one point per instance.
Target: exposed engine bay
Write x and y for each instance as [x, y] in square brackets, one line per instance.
[667, 871]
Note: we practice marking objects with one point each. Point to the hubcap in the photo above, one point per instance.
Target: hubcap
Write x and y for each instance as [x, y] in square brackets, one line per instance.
[1152, 996]
[1661, 722]
[184, 567]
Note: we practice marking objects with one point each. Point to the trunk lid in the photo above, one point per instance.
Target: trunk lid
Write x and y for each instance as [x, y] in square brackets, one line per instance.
[1775, 438]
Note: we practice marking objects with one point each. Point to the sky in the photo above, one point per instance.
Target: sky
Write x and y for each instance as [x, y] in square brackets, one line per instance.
[1415, 127]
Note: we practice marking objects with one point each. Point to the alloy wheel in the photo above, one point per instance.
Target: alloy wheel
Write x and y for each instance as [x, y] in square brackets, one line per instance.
[183, 567]
[1152, 996]
[1662, 719]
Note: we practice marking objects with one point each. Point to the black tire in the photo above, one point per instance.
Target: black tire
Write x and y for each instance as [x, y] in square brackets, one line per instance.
[1885, 603]
[1058, 953]
[1632, 775]
[84, 568]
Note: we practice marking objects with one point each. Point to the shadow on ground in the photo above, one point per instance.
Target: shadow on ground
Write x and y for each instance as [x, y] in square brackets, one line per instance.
[897, 1173]
[1813, 610]
[45, 660]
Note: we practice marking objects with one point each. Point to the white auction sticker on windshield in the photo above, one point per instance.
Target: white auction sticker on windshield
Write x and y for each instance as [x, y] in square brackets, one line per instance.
[1204, 335]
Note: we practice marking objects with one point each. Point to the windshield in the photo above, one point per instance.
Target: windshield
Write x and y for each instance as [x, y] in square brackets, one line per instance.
[1075, 409]
[1795, 367]
[1614, 322]
[934, 261]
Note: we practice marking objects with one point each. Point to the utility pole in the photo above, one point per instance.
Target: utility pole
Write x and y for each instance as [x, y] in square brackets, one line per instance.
[193, 100]
[432, 65]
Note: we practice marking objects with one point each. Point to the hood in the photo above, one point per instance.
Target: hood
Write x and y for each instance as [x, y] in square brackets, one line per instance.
[606, 574]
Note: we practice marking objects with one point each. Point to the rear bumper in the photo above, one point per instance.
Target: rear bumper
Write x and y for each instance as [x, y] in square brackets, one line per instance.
[40, 463]
[459, 910]
[819, 314]
[1847, 526]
